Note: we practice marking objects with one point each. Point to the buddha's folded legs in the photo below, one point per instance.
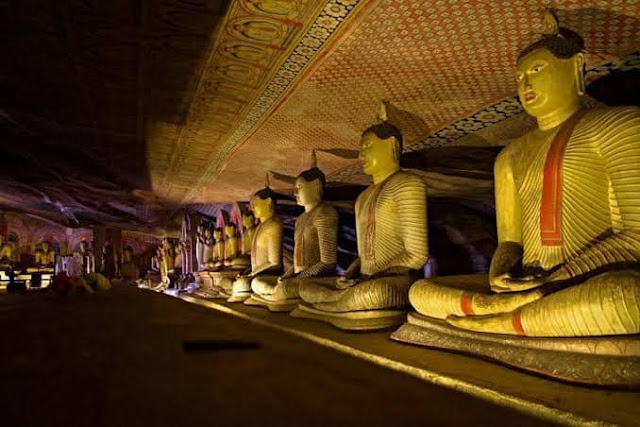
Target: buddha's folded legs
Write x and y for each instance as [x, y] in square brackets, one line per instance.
[440, 301]
[269, 288]
[608, 304]
[380, 293]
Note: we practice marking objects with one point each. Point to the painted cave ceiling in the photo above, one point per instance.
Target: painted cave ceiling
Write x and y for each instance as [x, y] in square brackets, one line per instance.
[123, 111]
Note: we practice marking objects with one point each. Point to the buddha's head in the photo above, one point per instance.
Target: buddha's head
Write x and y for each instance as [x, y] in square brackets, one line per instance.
[247, 219]
[45, 246]
[230, 230]
[309, 187]
[83, 246]
[217, 234]
[263, 204]
[208, 232]
[550, 72]
[380, 148]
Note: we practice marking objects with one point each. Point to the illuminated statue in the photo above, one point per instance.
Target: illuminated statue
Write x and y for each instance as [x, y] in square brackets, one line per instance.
[232, 257]
[266, 253]
[391, 227]
[218, 249]
[249, 230]
[200, 246]
[568, 213]
[167, 260]
[209, 243]
[45, 257]
[315, 250]
[6, 251]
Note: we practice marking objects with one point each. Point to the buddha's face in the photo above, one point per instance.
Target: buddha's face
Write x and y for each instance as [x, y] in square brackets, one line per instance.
[207, 233]
[262, 208]
[247, 221]
[377, 154]
[83, 247]
[307, 192]
[45, 247]
[229, 230]
[547, 84]
[217, 234]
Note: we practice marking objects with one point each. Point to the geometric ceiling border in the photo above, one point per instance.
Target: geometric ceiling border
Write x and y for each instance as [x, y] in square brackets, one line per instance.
[490, 116]
[329, 22]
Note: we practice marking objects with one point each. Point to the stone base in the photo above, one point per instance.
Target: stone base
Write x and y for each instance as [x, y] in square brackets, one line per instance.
[366, 320]
[602, 361]
[281, 306]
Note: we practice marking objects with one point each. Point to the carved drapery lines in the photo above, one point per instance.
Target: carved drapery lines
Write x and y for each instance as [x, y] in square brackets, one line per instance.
[252, 40]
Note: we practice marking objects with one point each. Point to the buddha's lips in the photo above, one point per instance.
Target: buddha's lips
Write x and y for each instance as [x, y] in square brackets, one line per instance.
[529, 96]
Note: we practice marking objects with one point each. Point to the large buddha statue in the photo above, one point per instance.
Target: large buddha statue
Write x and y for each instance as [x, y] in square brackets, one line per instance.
[391, 227]
[266, 252]
[568, 213]
[249, 230]
[315, 246]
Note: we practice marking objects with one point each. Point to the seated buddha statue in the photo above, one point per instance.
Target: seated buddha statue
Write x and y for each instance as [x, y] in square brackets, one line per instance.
[568, 213]
[200, 246]
[315, 246]
[6, 252]
[391, 229]
[209, 243]
[248, 231]
[232, 257]
[218, 249]
[45, 257]
[266, 252]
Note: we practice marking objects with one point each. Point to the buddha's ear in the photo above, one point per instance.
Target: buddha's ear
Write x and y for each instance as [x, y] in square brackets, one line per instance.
[579, 70]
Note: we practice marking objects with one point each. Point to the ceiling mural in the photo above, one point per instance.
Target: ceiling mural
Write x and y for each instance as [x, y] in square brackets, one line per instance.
[446, 67]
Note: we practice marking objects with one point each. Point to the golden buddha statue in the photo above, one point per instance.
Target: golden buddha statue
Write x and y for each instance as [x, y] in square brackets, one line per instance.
[6, 252]
[568, 213]
[232, 257]
[88, 259]
[391, 228]
[218, 249]
[209, 243]
[200, 246]
[249, 230]
[266, 252]
[315, 249]
[45, 257]
[167, 260]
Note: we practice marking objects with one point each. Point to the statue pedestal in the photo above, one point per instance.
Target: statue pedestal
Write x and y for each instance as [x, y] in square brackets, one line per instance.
[604, 361]
[281, 306]
[366, 320]
[215, 284]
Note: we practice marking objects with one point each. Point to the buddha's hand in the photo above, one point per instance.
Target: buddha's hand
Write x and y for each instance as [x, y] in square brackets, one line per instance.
[344, 282]
[507, 283]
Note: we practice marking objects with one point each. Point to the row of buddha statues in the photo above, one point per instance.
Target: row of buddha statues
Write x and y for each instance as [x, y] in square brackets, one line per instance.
[221, 248]
[567, 200]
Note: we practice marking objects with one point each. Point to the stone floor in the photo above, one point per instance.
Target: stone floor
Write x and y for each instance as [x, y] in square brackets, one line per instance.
[133, 357]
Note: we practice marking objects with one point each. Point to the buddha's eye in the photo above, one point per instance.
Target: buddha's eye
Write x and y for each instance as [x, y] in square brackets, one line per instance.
[537, 68]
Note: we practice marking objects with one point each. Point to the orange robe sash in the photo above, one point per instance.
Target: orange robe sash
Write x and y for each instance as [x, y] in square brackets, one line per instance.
[551, 206]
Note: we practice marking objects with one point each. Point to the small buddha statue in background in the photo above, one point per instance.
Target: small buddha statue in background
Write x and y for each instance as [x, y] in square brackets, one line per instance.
[45, 257]
[177, 260]
[231, 247]
[266, 252]
[156, 260]
[568, 213]
[209, 243]
[391, 227]
[200, 246]
[315, 248]
[218, 249]
[6, 252]
[129, 271]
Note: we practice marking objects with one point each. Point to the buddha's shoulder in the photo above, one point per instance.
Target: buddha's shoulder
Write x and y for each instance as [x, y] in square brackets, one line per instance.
[273, 222]
[610, 121]
[325, 209]
[614, 116]
[405, 178]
